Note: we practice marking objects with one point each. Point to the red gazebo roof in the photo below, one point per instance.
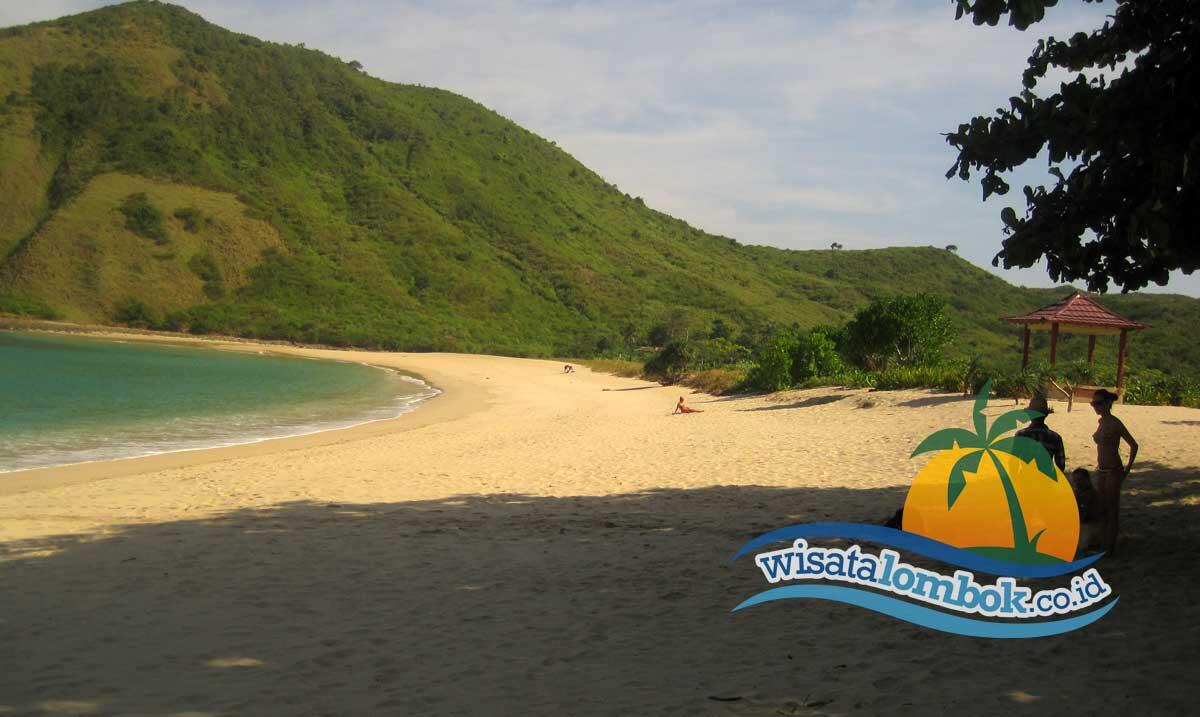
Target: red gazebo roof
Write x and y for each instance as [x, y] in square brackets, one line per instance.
[1078, 309]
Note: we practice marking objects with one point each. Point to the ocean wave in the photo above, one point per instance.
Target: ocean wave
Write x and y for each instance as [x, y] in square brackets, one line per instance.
[927, 617]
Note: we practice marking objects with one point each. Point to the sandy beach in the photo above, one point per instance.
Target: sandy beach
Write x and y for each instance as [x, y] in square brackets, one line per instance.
[534, 542]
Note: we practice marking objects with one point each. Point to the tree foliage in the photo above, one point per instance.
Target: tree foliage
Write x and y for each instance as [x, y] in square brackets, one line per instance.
[1123, 145]
[143, 218]
[898, 331]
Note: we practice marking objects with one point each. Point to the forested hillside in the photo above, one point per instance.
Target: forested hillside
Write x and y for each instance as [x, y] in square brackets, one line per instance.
[159, 170]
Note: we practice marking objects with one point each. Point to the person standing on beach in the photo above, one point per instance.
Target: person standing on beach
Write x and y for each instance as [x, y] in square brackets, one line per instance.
[1040, 432]
[1110, 472]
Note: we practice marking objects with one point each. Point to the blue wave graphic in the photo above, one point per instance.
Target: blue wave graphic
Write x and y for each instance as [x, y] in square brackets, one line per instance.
[927, 617]
[919, 544]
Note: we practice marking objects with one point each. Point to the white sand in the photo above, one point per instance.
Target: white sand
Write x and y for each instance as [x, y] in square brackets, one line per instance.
[539, 543]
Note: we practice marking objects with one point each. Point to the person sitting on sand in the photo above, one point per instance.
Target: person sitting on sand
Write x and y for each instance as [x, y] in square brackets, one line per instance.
[1110, 473]
[681, 407]
[568, 369]
[1040, 432]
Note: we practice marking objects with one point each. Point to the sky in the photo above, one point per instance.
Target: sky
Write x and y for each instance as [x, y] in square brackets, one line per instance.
[792, 124]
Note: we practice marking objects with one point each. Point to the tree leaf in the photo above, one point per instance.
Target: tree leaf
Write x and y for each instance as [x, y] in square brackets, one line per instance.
[958, 478]
[1008, 421]
[1027, 450]
[981, 402]
[945, 440]
[1034, 540]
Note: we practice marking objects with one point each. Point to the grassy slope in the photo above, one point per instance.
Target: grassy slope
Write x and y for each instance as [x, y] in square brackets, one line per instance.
[397, 215]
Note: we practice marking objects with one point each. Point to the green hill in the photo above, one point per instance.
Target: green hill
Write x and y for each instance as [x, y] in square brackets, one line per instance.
[159, 169]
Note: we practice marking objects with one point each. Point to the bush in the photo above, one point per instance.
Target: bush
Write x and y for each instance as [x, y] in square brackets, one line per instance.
[191, 218]
[135, 312]
[716, 381]
[814, 354]
[773, 365]
[1019, 383]
[143, 218]
[1078, 373]
[670, 364]
[902, 330]
[205, 267]
[1151, 387]
[22, 306]
[680, 358]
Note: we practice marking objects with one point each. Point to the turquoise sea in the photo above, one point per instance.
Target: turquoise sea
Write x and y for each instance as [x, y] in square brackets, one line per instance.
[74, 399]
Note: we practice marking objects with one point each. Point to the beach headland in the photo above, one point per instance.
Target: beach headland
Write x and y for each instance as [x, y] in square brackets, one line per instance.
[542, 542]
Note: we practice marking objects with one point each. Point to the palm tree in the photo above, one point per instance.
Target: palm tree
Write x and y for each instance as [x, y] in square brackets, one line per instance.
[989, 442]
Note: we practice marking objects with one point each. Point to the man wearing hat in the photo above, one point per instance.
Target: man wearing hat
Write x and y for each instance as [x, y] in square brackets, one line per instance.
[1038, 431]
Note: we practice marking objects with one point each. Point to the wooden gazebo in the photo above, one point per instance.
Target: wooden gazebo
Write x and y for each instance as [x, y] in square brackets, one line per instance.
[1078, 314]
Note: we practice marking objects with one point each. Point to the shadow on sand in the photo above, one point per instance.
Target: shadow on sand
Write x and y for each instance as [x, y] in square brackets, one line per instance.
[937, 400]
[514, 604]
[803, 403]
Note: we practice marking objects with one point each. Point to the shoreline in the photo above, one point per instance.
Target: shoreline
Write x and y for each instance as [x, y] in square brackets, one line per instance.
[58, 476]
[543, 542]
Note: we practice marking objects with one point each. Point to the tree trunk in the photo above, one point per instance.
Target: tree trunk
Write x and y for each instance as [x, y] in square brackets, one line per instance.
[1016, 515]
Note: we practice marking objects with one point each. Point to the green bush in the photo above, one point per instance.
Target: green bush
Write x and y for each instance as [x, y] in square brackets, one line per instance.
[772, 369]
[205, 267]
[898, 331]
[135, 312]
[1018, 383]
[814, 354]
[670, 364]
[191, 218]
[27, 307]
[680, 358]
[1151, 387]
[899, 377]
[143, 218]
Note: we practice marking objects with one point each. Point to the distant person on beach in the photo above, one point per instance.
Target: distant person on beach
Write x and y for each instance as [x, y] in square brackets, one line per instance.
[568, 369]
[1040, 432]
[681, 407]
[1109, 470]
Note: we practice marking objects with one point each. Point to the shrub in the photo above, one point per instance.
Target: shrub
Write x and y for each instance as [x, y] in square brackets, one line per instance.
[143, 218]
[1151, 387]
[22, 306]
[680, 358]
[135, 312]
[191, 218]
[716, 381]
[814, 354]
[671, 363]
[900, 377]
[205, 267]
[853, 377]
[772, 369]
[902, 330]
[1019, 383]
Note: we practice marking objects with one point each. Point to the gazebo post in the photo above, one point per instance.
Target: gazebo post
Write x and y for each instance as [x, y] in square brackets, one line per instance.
[1025, 350]
[1053, 342]
[1121, 362]
[1091, 347]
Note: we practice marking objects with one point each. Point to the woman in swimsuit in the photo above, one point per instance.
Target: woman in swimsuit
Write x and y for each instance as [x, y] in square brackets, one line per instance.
[681, 407]
[1108, 436]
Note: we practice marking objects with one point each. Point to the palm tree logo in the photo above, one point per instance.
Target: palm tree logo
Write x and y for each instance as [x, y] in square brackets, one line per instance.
[992, 444]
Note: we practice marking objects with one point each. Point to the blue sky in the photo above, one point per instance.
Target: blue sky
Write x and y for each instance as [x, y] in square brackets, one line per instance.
[794, 124]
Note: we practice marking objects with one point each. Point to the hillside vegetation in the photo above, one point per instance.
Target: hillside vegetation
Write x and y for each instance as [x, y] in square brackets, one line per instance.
[158, 170]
